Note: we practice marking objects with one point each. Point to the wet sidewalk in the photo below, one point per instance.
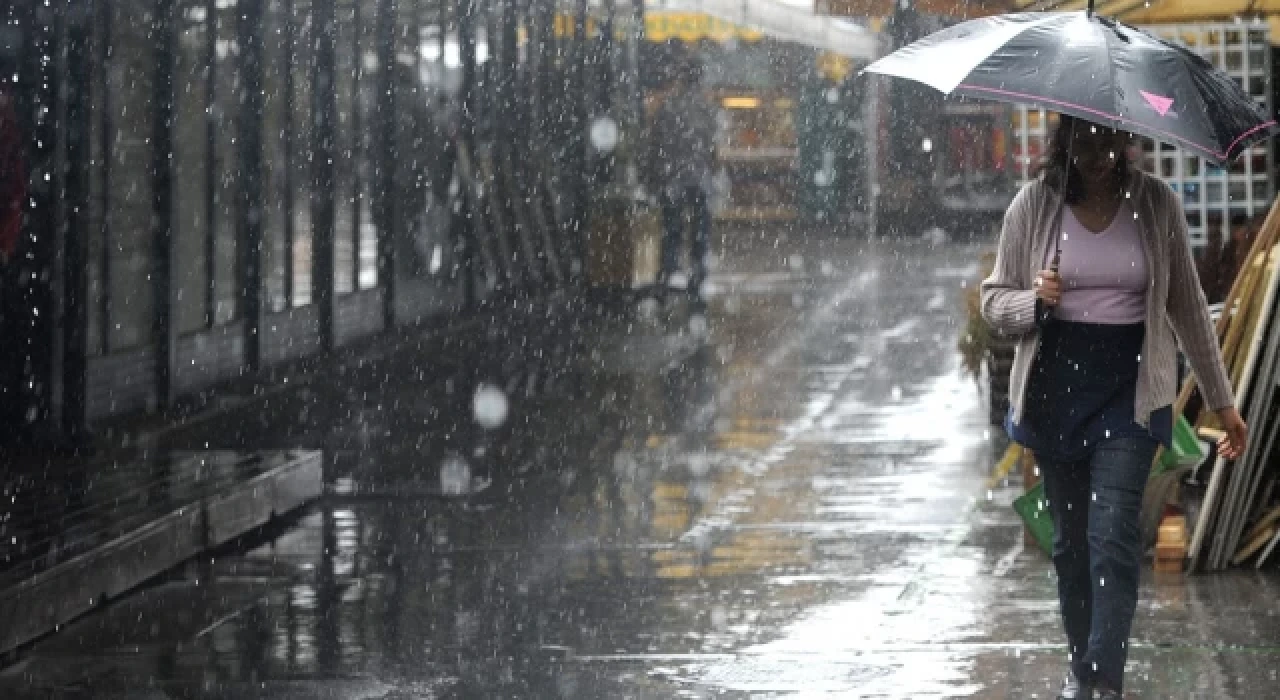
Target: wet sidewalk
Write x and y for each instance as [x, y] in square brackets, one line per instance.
[785, 497]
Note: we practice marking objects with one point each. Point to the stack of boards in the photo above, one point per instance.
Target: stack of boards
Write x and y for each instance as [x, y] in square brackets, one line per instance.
[1239, 518]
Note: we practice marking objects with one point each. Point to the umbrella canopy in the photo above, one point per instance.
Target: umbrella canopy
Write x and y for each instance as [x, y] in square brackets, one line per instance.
[1090, 67]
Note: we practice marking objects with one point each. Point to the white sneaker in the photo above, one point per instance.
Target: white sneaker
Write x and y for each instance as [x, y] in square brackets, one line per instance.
[1073, 689]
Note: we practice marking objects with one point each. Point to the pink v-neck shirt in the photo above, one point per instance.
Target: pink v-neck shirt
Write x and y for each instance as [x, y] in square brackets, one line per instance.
[1177, 314]
[1104, 275]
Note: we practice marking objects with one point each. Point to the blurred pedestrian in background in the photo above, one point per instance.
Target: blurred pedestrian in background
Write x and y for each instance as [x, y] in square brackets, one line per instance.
[683, 141]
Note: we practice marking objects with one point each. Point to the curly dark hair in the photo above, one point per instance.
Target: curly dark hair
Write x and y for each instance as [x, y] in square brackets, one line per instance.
[1053, 165]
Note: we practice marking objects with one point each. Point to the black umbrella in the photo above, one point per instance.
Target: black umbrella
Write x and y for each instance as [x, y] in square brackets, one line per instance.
[1087, 66]
[1090, 67]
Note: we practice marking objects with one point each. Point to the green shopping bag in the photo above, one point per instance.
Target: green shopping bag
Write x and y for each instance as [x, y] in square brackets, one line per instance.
[1033, 508]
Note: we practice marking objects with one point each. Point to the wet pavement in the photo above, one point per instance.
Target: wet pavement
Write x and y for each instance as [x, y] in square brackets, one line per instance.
[786, 497]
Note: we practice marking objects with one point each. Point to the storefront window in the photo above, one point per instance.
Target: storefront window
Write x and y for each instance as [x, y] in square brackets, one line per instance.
[301, 132]
[96, 219]
[274, 161]
[410, 156]
[130, 79]
[191, 165]
[225, 113]
[367, 93]
[345, 131]
[438, 57]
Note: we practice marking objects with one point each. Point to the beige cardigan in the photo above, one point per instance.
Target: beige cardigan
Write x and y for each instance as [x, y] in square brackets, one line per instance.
[1175, 303]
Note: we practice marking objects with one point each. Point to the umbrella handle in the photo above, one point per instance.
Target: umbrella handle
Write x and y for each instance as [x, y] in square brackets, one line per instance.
[1045, 311]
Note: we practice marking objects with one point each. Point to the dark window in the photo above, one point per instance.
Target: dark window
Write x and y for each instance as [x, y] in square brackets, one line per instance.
[228, 279]
[300, 131]
[275, 127]
[130, 84]
[366, 160]
[98, 174]
[191, 165]
[345, 143]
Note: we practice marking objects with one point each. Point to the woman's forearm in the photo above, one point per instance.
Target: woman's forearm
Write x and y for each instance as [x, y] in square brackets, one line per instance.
[1008, 303]
[1189, 314]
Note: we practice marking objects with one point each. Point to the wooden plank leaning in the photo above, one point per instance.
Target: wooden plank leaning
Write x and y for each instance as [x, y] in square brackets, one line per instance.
[1254, 401]
[1244, 281]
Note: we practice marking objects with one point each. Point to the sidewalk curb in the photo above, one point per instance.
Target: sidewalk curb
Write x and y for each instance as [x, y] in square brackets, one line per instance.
[52, 598]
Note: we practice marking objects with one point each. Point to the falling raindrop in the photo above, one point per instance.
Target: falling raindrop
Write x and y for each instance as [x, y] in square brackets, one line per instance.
[604, 134]
[455, 476]
[489, 406]
[698, 325]
[437, 259]
[648, 308]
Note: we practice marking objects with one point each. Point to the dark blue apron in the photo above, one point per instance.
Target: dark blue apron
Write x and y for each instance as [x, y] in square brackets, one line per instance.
[1081, 391]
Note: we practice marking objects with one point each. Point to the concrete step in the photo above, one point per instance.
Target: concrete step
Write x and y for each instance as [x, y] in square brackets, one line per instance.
[71, 540]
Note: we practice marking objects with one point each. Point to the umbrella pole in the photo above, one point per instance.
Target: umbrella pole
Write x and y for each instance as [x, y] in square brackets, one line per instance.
[1062, 203]
[1046, 311]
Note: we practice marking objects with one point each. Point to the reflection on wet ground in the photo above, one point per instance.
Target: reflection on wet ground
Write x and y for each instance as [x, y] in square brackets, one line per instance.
[788, 500]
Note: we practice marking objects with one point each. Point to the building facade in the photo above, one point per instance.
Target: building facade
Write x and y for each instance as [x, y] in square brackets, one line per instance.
[216, 187]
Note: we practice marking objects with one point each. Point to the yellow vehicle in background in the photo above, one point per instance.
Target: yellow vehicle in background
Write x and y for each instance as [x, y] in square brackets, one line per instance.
[788, 114]
[758, 154]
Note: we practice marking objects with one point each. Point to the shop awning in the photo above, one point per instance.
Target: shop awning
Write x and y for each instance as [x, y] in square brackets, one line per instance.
[788, 20]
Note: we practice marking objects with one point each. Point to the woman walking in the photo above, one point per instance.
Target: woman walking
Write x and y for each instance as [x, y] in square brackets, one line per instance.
[1095, 374]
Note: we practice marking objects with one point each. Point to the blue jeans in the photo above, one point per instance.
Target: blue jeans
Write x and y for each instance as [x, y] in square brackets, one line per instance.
[685, 206]
[1096, 504]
